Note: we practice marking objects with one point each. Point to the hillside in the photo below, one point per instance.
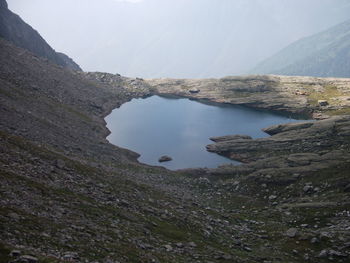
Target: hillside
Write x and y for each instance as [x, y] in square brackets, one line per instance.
[326, 54]
[67, 194]
[15, 30]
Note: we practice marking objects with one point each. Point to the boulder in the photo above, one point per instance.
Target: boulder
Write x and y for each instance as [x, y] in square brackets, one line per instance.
[165, 158]
[28, 259]
[194, 90]
[275, 129]
[15, 253]
[292, 232]
[322, 103]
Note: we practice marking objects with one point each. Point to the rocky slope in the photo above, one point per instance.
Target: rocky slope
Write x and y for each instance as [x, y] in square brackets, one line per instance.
[67, 194]
[15, 30]
[324, 55]
[291, 95]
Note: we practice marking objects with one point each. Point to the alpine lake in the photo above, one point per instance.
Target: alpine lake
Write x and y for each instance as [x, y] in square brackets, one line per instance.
[181, 128]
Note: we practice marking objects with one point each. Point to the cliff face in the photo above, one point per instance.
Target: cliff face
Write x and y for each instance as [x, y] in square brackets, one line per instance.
[15, 30]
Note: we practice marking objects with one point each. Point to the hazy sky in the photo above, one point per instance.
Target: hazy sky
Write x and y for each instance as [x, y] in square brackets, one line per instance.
[176, 38]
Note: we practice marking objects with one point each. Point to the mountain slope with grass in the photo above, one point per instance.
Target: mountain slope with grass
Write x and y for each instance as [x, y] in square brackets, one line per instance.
[326, 54]
[68, 195]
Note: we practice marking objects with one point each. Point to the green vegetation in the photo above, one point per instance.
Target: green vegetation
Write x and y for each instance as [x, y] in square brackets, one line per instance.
[344, 111]
[329, 93]
[4, 253]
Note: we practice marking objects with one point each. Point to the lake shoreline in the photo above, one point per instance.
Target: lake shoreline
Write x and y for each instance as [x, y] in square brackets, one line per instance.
[152, 116]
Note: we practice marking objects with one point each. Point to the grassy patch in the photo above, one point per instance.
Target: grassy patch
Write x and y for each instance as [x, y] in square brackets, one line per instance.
[75, 112]
[171, 231]
[327, 94]
[344, 111]
[4, 253]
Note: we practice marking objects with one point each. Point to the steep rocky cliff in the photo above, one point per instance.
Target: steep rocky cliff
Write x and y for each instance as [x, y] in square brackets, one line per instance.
[15, 30]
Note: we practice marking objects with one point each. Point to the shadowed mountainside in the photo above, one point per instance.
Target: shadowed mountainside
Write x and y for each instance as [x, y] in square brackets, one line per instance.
[15, 30]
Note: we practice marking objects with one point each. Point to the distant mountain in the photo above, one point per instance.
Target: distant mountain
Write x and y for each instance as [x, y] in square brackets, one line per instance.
[177, 38]
[326, 54]
[15, 30]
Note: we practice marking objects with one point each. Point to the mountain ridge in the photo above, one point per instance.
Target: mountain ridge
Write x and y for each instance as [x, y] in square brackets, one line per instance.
[15, 30]
[317, 55]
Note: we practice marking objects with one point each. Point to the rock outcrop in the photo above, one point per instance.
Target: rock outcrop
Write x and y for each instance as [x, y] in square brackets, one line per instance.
[310, 145]
[295, 96]
[165, 158]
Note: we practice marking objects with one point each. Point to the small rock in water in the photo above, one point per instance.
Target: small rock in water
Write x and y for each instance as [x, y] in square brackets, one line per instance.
[164, 158]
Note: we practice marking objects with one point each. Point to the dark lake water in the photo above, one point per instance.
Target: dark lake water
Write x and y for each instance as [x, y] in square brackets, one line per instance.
[181, 128]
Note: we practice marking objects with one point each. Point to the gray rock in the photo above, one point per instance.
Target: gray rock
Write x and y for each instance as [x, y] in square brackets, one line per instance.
[230, 137]
[323, 253]
[322, 103]
[335, 253]
[308, 188]
[60, 164]
[272, 130]
[203, 180]
[325, 236]
[71, 256]
[272, 197]
[15, 253]
[292, 232]
[248, 249]
[168, 248]
[194, 90]
[180, 245]
[28, 259]
[192, 244]
[165, 158]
